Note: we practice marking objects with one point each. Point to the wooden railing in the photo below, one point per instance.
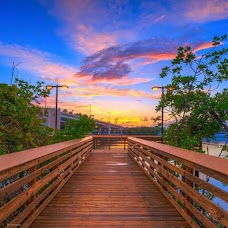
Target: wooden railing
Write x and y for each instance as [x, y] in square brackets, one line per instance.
[153, 138]
[181, 175]
[30, 179]
[110, 142]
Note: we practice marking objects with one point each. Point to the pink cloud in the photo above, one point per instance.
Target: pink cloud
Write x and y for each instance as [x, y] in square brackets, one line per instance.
[79, 19]
[153, 58]
[203, 46]
[88, 41]
[41, 63]
[111, 65]
[201, 11]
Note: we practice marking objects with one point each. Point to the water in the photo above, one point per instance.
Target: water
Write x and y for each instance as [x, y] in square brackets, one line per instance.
[214, 147]
[219, 138]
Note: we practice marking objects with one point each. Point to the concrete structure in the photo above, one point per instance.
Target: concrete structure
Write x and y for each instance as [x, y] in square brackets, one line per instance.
[102, 128]
[50, 121]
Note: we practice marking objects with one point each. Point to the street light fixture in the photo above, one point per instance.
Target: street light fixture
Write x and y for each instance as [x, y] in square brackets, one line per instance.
[162, 117]
[49, 87]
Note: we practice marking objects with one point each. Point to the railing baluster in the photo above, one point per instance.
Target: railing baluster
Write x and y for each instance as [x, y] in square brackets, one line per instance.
[48, 168]
[189, 183]
[165, 170]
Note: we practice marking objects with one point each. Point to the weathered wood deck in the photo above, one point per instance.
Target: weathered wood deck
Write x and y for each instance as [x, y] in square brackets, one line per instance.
[109, 189]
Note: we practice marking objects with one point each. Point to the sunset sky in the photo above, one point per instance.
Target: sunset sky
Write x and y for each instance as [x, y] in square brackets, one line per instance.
[109, 52]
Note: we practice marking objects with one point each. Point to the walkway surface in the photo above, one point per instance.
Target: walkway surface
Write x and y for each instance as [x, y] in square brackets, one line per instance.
[109, 190]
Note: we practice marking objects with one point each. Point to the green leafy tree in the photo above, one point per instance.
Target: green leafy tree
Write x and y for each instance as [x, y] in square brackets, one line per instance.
[75, 129]
[191, 96]
[143, 131]
[21, 119]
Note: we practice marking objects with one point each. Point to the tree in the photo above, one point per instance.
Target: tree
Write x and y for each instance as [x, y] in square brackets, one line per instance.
[191, 96]
[21, 119]
[143, 131]
[75, 129]
[65, 111]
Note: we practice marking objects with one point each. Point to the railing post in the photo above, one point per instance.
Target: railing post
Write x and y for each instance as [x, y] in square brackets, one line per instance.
[165, 169]
[31, 170]
[109, 143]
[94, 143]
[190, 183]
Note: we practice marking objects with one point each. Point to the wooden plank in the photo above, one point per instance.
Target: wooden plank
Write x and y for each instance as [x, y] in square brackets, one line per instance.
[12, 205]
[109, 189]
[29, 221]
[172, 201]
[63, 179]
[207, 204]
[181, 199]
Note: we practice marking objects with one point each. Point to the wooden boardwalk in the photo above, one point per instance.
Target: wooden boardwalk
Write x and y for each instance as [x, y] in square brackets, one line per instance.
[108, 190]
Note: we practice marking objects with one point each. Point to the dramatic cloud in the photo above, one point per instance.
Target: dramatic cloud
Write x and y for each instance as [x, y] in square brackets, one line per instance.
[92, 25]
[112, 63]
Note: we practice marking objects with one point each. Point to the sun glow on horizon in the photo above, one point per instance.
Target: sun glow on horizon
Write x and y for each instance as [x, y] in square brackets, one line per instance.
[108, 54]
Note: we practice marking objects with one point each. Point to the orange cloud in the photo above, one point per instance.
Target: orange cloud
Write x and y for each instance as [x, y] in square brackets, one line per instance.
[203, 46]
[153, 58]
[124, 81]
[91, 91]
[96, 91]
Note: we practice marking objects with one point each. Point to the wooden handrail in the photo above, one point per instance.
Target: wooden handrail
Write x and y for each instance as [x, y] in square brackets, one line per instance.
[110, 136]
[214, 165]
[173, 170]
[14, 159]
[111, 142]
[31, 178]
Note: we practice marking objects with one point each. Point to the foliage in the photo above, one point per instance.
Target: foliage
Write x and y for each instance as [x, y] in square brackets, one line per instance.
[191, 97]
[143, 131]
[21, 121]
[74, 129]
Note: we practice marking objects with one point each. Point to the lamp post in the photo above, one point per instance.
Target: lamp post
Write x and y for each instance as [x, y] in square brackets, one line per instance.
[56, 98]
[90, 110]
[162, 117]
[109, 124]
